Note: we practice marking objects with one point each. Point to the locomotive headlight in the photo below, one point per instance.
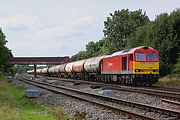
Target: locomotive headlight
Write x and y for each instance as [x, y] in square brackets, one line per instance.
[137, 70]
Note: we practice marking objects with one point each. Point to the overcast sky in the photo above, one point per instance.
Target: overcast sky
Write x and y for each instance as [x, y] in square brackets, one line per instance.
[64, 27]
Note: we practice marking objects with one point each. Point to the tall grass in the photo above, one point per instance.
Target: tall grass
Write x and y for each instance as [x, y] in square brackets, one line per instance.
[170, 80]
[8, 105]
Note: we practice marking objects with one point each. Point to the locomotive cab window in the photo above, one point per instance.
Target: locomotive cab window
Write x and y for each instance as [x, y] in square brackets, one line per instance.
[140, 56]
[152, 56]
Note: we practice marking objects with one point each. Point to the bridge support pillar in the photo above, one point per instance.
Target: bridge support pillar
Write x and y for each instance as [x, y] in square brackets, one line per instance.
[35, 71]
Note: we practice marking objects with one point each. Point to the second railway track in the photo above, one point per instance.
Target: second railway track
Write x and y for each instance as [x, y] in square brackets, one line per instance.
[167, 93]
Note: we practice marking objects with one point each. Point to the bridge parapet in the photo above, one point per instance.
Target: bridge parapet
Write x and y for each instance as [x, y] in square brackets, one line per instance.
[39, 60]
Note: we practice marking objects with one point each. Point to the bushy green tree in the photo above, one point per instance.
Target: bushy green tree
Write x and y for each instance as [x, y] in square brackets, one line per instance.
[120, 25]
[79, 56]
[142, 36]
[5, 53]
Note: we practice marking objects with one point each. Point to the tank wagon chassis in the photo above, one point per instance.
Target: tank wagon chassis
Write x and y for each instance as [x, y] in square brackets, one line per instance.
[136, 66]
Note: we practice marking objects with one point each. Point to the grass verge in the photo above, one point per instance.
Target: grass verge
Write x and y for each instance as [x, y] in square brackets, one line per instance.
[15, 106]
[172, 80]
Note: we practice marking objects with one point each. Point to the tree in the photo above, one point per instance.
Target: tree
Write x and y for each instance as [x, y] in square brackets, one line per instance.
[79, 56]
[120, 25]
[92, 49]
[5, 53]
[177, 66]
[142, 36]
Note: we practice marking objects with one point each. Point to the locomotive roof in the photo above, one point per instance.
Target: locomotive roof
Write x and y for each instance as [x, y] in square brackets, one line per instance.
[127, 51]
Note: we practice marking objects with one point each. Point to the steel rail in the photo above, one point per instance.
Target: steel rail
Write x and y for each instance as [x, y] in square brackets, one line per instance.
[165, 89]
[170, 101]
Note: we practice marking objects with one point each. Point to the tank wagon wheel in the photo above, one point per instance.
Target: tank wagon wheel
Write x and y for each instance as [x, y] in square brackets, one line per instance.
[104, 79]
[98, 79]
[86, 77]
[82, 77]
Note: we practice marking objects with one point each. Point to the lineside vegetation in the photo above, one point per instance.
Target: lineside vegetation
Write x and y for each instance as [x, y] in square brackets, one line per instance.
[5, 54]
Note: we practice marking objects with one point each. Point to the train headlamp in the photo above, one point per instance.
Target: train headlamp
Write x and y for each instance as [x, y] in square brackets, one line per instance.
[137, 70]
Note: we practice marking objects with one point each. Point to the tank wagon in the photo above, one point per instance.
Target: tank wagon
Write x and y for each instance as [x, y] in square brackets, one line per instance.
[69, 70]
[133, 66]
[78, 69]
[62, 71]
[39, 71]
[51, 71]
[92, 68]
[44, 71]
[56, 70]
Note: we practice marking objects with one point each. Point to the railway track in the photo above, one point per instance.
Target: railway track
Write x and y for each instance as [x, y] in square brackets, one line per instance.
[171, 102]
[164, 89]
[167, 93]
[108, 101]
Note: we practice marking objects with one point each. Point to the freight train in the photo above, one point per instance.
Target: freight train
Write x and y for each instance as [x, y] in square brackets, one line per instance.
[135, 66]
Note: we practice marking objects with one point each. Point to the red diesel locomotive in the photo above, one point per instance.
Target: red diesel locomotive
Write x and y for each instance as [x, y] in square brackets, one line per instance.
[138, 65]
